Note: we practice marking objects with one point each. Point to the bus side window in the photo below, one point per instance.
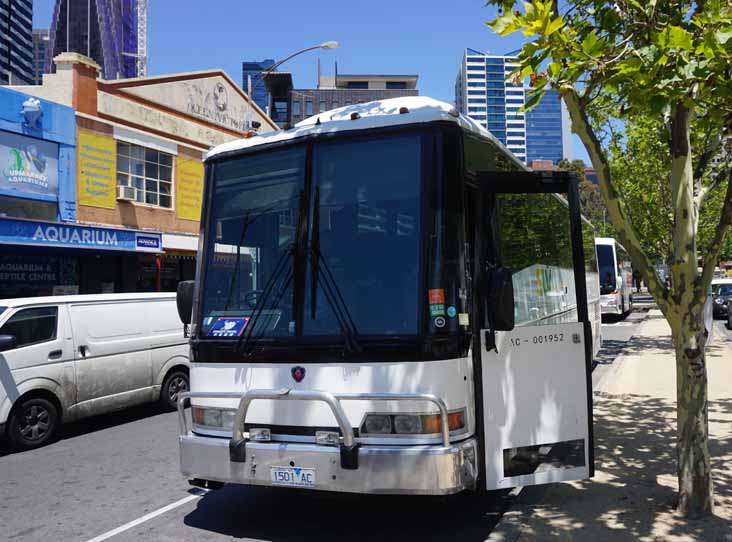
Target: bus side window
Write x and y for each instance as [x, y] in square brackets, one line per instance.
[534, 242]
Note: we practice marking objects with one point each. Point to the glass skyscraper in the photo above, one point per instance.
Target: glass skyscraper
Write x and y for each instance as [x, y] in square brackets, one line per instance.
[486, 92]
[40, 51]
[259, 90]
[547, 130]
[16, 42]
[110, 40]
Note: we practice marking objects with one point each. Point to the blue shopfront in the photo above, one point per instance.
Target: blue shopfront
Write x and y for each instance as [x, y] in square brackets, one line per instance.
[43, 251]
[51, 258]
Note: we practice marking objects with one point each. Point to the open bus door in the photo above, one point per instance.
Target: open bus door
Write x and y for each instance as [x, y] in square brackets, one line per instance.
[535, 375]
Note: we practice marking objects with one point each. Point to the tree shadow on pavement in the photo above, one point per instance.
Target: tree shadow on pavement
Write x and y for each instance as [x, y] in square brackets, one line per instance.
[287, 515]
[633, 494]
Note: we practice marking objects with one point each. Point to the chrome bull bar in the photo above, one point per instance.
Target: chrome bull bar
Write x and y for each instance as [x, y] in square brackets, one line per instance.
[348, 448]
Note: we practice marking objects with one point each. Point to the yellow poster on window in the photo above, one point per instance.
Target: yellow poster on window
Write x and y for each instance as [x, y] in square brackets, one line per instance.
[97, 167]
[188, 188]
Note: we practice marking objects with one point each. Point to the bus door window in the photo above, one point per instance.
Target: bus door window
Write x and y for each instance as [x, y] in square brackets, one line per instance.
[535, 243]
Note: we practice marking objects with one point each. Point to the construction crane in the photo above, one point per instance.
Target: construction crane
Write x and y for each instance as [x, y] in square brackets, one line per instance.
[141, 55]
[141, 38]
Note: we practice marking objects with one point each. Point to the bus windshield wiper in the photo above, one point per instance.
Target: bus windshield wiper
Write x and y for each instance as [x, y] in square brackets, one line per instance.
[246, 342]
[330, 286]
[246, 222]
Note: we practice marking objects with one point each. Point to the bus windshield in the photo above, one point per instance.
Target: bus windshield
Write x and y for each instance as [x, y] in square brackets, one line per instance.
[360, 258]
[717, 290]
[606, 267]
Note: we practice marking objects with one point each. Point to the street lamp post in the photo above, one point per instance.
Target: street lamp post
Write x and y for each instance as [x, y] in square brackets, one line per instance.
[265, 73]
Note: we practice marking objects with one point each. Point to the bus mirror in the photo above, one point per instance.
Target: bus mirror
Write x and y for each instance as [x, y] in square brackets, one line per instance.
[500, 299]
[184, 300]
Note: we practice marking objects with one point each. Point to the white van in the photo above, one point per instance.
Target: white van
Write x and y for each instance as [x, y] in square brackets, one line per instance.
[68, 357]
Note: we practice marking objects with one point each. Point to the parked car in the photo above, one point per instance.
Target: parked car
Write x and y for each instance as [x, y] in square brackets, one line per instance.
[728, 324]
[722, 293]
[68, 357]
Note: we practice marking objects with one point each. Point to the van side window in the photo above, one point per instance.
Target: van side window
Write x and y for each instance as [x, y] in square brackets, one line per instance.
[31, 326]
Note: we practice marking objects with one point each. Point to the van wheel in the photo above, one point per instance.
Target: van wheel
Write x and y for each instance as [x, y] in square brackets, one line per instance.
[174, 383]
[33, 423]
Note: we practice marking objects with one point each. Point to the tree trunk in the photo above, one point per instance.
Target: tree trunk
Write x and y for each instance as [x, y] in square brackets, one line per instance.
[692, 445]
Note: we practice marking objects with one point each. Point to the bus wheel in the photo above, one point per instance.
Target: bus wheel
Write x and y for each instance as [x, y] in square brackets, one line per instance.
[174, 383]
[33, 423]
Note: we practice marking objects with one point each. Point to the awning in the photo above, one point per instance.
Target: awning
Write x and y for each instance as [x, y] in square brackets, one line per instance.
[63, 235]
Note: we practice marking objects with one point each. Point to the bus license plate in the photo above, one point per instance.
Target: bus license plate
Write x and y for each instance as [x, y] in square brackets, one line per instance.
[292, 476]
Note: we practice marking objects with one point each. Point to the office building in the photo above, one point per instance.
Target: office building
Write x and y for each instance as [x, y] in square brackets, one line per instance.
[254, 70]
[111, 32]
[40, 48]
[340, 90]
[485, 92]
[547, 130]
[16, 42]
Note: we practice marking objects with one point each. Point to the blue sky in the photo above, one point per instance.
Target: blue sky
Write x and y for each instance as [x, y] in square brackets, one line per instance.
[426, 37]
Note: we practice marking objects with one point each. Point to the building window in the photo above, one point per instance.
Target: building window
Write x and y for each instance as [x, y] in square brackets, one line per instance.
[148, 171]
[322, 106]
[309, 108]
[396, 85]
[296, 108]
[357, 84]
[335, 104]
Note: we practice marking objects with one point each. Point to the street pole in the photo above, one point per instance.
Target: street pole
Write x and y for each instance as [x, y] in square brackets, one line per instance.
[249, 93]
[265, 73]
[88, 28]
[68, 10]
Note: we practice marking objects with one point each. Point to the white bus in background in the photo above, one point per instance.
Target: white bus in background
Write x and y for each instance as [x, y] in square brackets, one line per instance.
[396, 316]
[616, 277]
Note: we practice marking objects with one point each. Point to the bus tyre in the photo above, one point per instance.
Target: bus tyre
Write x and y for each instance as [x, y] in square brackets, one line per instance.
[32, 423]
[174, 383]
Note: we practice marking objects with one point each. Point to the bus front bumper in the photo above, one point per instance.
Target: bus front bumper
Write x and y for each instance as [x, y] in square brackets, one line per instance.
[347, 466]
[418, 470]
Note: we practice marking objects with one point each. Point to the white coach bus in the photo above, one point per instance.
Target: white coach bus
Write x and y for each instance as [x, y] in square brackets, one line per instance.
[616, 277]
[388, 301]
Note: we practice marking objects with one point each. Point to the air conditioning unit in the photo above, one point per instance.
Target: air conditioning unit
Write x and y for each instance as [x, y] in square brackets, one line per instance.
[126, 193]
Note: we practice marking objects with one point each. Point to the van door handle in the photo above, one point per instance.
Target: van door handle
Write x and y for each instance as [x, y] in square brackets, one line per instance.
[82, 350]
[55, 354]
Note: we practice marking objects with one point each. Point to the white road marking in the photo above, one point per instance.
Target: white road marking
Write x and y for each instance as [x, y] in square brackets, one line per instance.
[196, 493]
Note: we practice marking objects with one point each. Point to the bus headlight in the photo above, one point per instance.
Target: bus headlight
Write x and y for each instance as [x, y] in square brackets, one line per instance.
[411, 424]
[213, 417]
[377, 424]
[407, 423]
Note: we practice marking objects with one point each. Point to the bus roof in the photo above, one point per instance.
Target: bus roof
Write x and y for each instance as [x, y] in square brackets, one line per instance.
[376, 114]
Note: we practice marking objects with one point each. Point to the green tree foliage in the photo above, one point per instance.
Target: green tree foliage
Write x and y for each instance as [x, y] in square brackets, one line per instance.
[648, 88]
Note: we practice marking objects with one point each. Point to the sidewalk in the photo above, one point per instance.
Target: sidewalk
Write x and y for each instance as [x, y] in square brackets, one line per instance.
[632, 494]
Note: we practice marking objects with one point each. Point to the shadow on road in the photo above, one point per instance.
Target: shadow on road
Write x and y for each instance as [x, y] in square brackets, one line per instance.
[284, 515]
[97, 423]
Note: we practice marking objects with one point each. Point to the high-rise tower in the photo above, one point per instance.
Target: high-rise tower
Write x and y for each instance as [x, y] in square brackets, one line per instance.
[108, 31]
[16, 42]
